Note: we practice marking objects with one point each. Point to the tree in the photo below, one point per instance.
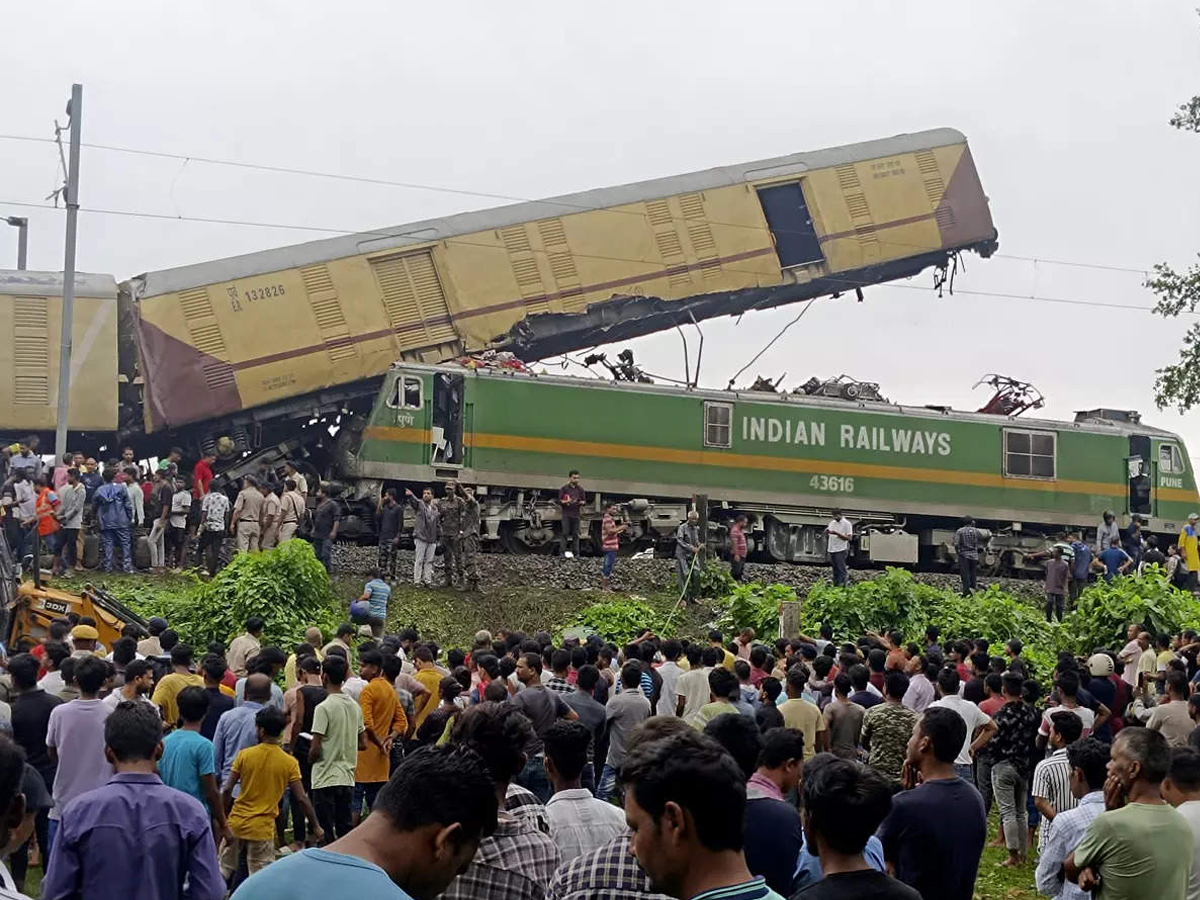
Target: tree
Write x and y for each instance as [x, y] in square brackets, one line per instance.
[1179, 292]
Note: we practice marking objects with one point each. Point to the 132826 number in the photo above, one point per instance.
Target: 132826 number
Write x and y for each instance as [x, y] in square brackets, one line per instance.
[842, 484]
[262, 293]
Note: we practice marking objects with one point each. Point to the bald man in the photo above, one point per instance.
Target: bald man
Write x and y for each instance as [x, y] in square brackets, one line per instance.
[235, 729]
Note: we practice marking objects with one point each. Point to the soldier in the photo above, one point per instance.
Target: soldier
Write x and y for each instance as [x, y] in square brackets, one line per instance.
[470, 540]
[450, 531]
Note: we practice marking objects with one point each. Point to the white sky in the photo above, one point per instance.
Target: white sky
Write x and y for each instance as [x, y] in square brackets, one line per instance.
[1065, 107]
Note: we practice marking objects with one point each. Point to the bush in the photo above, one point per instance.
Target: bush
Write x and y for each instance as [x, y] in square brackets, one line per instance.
[754, 606]
[895, 600]
[287, 586]
[1105, 609]
[619, 620]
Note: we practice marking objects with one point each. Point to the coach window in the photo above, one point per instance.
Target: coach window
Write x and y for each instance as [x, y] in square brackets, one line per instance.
[1029, 454]
[1170, 461]
[407, 393]
[718, 424]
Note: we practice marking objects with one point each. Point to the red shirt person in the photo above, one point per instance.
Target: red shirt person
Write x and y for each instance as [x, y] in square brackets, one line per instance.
[202, 476]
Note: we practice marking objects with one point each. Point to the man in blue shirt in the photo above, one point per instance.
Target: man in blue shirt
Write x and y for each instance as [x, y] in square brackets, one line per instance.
[134, 837]
[1114, 560]
[114, 512]
[1081, 565]
[236, 729]
[376, 593]
[423, 830]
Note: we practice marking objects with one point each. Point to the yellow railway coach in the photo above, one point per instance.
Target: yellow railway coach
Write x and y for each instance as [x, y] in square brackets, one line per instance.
[31, 319]
[284, 333]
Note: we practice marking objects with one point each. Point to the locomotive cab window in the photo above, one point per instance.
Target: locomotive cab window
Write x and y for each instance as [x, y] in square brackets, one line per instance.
[718, 424]
[1170, 461]
[1029, 454]
[406, 393]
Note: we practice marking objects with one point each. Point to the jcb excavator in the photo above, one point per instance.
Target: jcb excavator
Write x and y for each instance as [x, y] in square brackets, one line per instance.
[27, 608]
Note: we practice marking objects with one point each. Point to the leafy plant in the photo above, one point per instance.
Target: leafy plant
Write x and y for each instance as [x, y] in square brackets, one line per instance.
[1105, 609]
[754, 606]
[715, 580]
[619, 620]
[287, 586]
[895, 600]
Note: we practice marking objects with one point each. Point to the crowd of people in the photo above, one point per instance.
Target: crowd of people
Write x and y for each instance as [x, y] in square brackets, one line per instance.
[1071, 563]
[185, 519]
[855, 766]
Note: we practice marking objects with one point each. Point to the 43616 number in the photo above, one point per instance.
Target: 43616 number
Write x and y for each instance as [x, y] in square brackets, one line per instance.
[842, 484]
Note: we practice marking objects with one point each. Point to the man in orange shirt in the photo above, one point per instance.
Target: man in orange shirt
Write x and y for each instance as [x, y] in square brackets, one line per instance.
[383, 721]
[47, 524]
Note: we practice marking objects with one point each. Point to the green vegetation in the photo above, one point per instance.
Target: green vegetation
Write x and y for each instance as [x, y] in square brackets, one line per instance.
[287, 586]
[896, 600]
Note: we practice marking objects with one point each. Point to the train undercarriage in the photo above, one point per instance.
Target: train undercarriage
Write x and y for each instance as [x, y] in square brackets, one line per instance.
[529, 521]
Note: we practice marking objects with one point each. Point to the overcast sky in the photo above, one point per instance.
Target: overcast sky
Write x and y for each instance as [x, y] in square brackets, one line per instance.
[1065, 107]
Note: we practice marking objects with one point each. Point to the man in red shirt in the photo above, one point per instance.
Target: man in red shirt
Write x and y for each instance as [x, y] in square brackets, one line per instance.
[202, 476]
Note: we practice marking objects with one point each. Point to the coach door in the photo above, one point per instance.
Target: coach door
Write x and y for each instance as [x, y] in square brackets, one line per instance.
[791, 225]
[1141, 483]
[446, 436]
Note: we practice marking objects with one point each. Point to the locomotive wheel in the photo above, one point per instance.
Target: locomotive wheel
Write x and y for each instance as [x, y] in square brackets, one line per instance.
[521, 539]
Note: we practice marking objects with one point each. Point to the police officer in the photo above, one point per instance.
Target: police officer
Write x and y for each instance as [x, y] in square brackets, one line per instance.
[450, 531]
[470, 540]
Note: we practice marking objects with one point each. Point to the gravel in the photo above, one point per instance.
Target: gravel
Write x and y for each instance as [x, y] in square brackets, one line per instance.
[636, 576]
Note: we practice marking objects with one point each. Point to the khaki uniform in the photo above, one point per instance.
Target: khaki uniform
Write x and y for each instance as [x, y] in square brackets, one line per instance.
[271, 509]
[292, 510]
[301, 483]
[247, 513]
[450, 526]
[470, 546]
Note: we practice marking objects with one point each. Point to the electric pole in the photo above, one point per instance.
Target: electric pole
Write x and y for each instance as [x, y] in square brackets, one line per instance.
[75, 114]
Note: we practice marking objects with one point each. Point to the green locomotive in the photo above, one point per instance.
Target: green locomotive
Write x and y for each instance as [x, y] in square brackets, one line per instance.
[904, 475]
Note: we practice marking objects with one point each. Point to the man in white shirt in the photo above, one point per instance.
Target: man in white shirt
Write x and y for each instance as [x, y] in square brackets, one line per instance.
[980, 726]
[670, 673]
[1129, 655]
[1181, 788]
[1067, 684]
[691, 690]
[1051, 786]
[839, 532]
[579, 823]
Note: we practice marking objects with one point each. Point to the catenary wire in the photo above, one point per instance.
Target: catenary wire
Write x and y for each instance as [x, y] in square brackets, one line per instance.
[847, 283]
[313, 173]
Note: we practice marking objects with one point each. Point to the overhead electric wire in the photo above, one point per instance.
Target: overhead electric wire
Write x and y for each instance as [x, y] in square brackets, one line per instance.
[577, 207]
[848, 283]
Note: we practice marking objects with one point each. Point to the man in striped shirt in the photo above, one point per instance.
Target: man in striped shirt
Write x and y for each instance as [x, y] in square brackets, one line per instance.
[1052, 776]
[966, 545]
[1087, 761]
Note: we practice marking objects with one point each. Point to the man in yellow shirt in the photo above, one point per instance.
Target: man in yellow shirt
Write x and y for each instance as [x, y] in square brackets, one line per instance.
[383, 722]
[804, 715]
[715, 640]
[431, 679]
[1189, 545]
[265, 772]
[312, 637]
[169, 686]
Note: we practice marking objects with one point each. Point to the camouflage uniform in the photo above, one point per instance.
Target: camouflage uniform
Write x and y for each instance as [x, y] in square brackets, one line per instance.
[450, 519]
[470, 547]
